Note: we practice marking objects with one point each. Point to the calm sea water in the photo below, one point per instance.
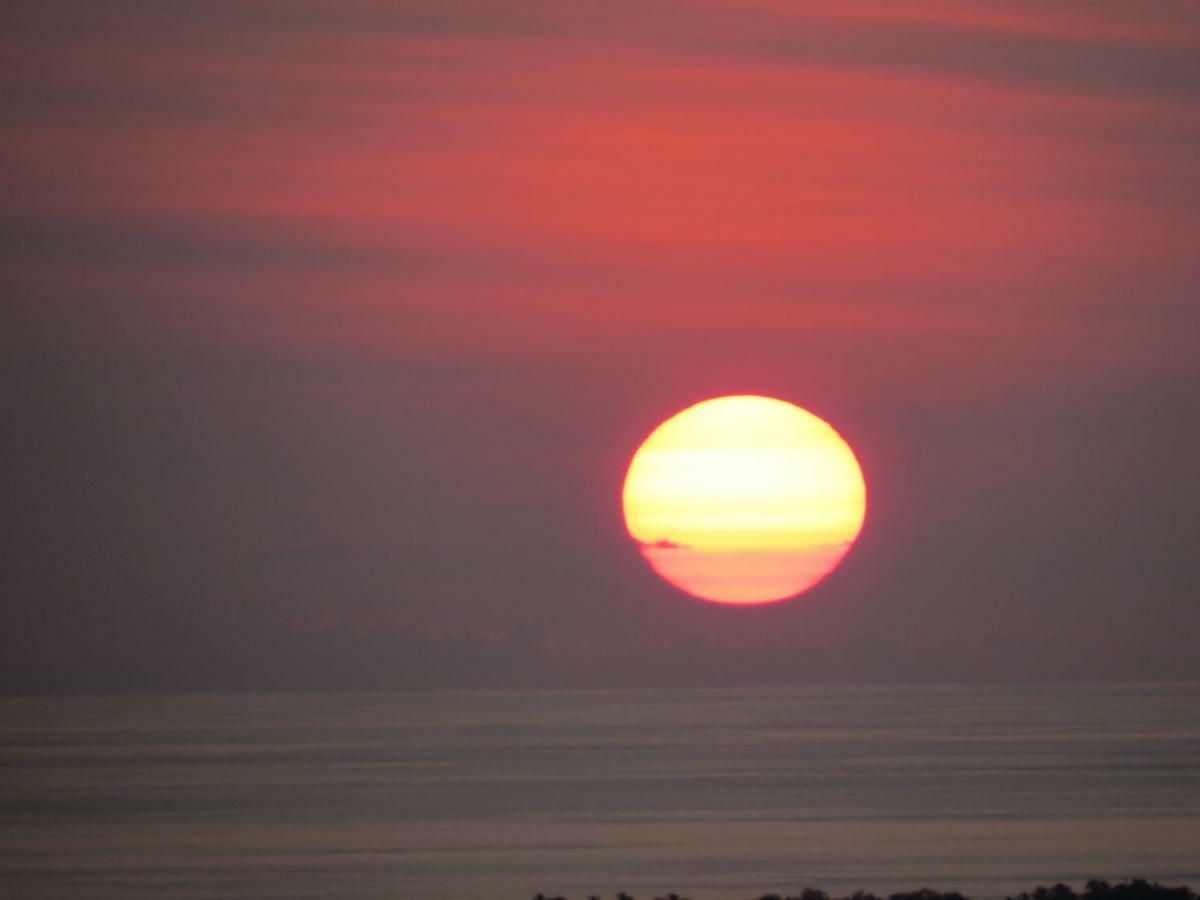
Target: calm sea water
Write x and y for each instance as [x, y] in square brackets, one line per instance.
[713, 793]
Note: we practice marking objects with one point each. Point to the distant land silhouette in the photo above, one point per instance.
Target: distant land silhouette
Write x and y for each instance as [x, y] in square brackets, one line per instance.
[1136, 889]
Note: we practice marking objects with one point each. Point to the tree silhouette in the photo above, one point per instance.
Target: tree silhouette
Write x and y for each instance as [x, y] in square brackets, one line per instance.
[1137, 889]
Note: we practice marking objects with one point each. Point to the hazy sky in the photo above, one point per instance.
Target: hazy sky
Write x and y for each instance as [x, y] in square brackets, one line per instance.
[329, 330]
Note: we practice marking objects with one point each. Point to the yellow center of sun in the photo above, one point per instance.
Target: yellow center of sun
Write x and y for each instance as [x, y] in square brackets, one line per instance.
[744, 499]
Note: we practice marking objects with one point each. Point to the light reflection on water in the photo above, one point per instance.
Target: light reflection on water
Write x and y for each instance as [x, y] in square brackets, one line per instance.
[713, 793]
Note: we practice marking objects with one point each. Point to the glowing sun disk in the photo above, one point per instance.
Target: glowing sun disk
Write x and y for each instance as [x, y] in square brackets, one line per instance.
[744, 499]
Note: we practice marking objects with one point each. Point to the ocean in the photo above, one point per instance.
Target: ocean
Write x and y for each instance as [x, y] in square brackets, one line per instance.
[723, 793]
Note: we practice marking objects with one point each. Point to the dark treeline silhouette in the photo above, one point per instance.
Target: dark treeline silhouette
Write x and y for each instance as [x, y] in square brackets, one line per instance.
[1137, 889]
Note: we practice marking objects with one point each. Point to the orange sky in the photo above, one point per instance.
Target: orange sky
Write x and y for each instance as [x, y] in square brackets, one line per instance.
[367, 305]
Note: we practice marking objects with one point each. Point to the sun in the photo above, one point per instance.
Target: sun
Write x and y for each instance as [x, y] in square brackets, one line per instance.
[744, 499]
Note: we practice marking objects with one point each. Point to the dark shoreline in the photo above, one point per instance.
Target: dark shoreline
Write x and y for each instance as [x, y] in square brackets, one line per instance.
[1134, 889]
